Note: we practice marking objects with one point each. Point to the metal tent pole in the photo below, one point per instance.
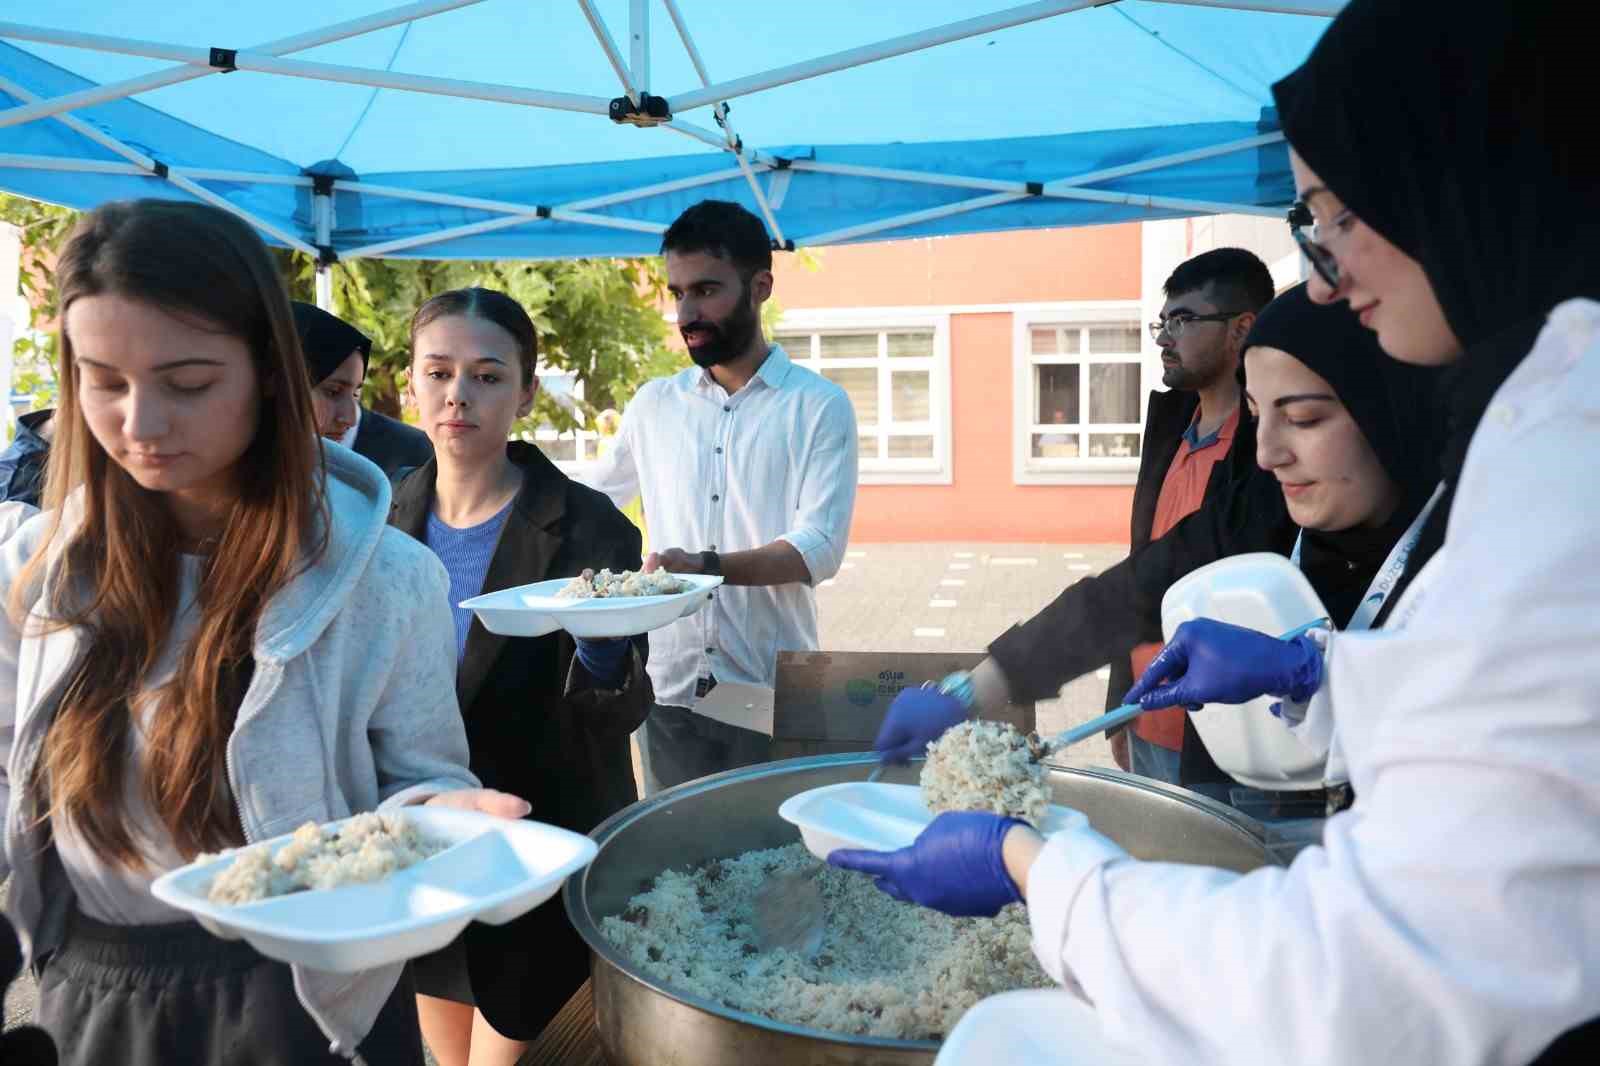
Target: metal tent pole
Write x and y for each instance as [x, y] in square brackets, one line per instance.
[731, 140]
[1280, 7]
[639, 40]
[1161, 162]
[976, 204]
[609, 46]
[161, 170]
[97, 94]
[322, 222]
[855, 57]
[298, 68]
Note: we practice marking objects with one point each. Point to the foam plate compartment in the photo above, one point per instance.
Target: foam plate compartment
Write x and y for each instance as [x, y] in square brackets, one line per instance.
[494, 870]
[533, 610]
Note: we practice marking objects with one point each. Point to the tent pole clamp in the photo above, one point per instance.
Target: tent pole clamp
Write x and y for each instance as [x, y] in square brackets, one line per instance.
[225, 59]
[650, 111]
[781, 246]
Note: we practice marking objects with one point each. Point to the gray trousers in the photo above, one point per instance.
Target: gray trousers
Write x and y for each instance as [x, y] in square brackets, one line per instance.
[677, 745]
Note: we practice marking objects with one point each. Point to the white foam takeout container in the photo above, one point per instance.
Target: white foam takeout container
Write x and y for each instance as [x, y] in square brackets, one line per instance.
[533, 610]
[1268, 593]
[494, 870]
[880, 817]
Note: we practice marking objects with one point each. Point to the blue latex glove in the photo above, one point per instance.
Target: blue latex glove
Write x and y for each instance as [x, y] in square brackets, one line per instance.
[955, 865]
[917, 717]
[606, 660]
[1213, 662]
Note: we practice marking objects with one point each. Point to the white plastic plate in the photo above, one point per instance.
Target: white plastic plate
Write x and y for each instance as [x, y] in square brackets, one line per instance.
[1039, 1026]
[1265, 592]
[533, 610]
[496, 869]
[869, 814]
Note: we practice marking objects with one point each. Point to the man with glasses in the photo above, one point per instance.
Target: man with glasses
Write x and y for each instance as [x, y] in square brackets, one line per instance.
[1212, 301]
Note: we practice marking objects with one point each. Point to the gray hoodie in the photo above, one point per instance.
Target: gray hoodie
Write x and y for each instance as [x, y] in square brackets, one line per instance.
[352, 707]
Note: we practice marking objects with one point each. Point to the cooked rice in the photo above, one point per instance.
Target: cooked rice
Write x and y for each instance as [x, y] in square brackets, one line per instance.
[985, 766]
[593, 586]
[886, 968]
[368, 847]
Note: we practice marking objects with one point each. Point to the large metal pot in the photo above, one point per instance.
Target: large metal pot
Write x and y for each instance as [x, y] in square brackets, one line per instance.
[643, 1022]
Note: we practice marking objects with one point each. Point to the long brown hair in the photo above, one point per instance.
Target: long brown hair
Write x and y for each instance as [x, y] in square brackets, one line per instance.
[117, 573]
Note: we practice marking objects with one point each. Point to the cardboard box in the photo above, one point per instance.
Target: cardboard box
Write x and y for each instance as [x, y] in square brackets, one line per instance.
[827, 702]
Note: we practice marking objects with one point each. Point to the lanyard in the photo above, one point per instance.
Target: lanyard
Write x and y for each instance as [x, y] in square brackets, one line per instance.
[1394, 567]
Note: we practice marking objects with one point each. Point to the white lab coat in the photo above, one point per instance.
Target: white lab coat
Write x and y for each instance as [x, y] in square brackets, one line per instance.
[1452, 916]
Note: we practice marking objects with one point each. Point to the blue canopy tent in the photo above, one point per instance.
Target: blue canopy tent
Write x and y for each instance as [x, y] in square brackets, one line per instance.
[412, 131]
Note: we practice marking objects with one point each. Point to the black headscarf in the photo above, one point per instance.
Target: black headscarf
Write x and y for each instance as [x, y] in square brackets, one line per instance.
[1395, 407]
[327, 340]
[1456, 133]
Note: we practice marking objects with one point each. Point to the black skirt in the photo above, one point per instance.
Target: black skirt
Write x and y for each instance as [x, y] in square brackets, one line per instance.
[158, 995]
[519, 975]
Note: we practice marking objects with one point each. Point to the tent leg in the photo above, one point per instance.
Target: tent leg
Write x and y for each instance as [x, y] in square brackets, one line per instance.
[325, 288]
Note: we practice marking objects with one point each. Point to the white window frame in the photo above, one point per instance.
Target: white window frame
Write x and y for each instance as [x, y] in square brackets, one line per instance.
[587, 450]
[1084, 470]
[883, 321]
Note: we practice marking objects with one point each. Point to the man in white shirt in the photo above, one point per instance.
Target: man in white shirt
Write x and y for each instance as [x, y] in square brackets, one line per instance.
[746, 463]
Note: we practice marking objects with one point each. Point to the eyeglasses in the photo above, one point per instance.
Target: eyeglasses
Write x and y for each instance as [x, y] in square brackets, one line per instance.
[1174, 325]
[1307, 234]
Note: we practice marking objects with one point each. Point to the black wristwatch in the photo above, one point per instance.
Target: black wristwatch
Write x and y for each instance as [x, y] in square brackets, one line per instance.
[710, 563]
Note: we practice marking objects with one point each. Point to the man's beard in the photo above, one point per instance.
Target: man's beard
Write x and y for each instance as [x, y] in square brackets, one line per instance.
[726, 340]
[1192, 376]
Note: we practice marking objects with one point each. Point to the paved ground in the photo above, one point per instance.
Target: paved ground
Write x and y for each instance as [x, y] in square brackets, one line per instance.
[933, 597]
[959, 597]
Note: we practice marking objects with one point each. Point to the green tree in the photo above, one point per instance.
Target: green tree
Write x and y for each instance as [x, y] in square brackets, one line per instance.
[43, 227]
[598, 319]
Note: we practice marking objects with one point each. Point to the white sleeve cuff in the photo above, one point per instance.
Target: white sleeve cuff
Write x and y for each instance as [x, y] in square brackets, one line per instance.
[816, 550]
[1070, 857]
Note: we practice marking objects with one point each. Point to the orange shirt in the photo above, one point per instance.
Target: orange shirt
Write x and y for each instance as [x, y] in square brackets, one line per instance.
[1182, 492]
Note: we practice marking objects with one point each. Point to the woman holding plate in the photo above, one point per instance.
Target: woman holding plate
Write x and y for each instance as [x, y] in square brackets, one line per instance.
[209, 636]
[547, 717]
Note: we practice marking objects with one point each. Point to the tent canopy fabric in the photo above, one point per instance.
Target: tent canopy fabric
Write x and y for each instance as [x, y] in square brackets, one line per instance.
[484, 128]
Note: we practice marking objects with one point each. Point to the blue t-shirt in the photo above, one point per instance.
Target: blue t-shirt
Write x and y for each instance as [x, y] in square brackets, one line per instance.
[465, 554]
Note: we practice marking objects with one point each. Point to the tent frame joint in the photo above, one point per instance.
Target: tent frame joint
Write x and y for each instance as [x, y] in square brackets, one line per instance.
[225, 60]
[649, 111]
[541, 211]
[1035, 188]
[322, 184]
[780, 163]
[782, 246]
[326, 256]
[160, 169]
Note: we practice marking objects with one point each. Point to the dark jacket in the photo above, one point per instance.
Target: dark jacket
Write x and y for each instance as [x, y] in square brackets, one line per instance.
[1098, 620]
[22, 463]
[536, 725]
[393, 445]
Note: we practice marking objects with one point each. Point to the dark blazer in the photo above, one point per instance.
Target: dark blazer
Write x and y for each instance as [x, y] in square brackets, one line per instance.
[1167, 415]
[536, 725]
[393, 445]
[1098, 620]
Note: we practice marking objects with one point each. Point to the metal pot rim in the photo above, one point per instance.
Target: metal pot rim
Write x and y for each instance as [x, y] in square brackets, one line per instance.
[573, 895]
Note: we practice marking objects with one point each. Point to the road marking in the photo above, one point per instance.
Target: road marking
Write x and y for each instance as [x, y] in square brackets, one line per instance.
[1073, 555]
[961, 566]
[922, 631]
[825, 583]
[952, 582]
[943, 603]
[963, 555]
[1070, 566]
[1012, 560]
[855, 555]
[852, 566]
[1104, 673]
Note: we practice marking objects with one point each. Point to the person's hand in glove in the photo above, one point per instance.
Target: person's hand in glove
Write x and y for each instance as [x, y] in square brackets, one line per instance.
[1213, 662]
[916, 718]
[956, 865]
[606, 660]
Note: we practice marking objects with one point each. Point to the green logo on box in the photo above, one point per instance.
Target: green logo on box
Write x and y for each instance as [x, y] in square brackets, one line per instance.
[861, 691]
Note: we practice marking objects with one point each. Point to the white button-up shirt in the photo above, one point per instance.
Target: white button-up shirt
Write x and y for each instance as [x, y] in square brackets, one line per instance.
[1453, 915]
[774, 461]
